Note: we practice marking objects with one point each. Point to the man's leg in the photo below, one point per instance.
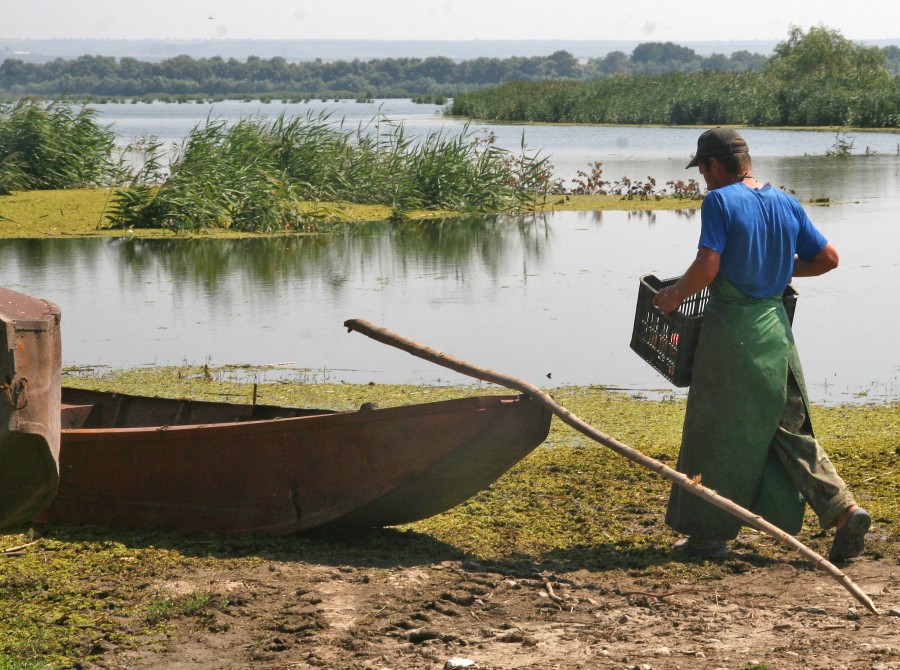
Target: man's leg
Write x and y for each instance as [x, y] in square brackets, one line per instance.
[807, 463]
[815, 476]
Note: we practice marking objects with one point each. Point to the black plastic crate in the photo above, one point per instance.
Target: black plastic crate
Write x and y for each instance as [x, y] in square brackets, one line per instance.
[667, 343]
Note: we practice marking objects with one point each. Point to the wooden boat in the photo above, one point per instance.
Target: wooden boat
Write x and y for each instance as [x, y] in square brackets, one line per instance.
[207, 466]
[30, 361]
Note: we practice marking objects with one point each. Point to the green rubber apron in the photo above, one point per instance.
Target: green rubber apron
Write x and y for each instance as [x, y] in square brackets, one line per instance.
[737, 398]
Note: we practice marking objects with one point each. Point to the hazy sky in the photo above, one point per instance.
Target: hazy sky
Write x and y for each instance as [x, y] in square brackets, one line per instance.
[645, 20]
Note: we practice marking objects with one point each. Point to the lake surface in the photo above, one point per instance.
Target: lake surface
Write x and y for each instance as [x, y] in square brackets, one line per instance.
[535, 296]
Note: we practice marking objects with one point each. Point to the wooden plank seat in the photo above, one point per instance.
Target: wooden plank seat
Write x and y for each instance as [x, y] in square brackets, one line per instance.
[74, 416]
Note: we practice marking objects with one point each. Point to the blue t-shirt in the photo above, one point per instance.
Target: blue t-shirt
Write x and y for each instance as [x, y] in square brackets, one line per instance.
[757, 231]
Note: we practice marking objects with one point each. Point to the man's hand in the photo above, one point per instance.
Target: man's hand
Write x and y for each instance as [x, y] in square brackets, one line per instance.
[701, 273]
[668, 299]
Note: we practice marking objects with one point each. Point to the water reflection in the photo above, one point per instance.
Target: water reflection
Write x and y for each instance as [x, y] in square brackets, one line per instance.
[846, 179]
[531, 296]
[459, 243]
[649, 217]
[133, 301]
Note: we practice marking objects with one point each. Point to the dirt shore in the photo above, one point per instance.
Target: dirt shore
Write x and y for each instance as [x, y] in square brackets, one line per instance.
[563, 563]
[293, 614]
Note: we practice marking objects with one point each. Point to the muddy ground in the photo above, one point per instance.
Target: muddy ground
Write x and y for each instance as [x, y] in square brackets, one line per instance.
[294, 614]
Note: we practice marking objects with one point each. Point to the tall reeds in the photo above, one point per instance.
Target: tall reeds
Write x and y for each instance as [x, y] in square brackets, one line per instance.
[702, 98]
[253, 174]
[53, 146]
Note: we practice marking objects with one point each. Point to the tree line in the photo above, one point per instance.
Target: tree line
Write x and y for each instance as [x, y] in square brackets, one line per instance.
[814, 78]
[389, 77]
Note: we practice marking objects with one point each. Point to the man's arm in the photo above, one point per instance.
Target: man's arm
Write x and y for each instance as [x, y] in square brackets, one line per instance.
[825, 261]
[700, 275]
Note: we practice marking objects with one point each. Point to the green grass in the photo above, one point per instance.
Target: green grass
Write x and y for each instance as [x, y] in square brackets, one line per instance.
[197, 605]
[7, 663]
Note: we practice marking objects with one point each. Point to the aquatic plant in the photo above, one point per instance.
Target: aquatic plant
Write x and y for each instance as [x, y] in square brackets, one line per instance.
[843, 145]
[591, 183]
[53, 146]
[690, 189]
[253, 174]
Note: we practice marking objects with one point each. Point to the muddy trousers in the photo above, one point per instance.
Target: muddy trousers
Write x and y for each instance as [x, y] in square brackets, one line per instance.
[807, 464]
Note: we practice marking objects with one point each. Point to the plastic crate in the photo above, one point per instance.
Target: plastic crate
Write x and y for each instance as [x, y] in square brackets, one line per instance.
[668, 343]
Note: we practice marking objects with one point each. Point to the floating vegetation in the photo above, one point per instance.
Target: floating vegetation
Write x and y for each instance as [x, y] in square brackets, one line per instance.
[85, 212]
[842, 146]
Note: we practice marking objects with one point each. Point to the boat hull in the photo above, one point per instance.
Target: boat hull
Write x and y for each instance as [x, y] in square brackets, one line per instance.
[282, 475]
[30, 361]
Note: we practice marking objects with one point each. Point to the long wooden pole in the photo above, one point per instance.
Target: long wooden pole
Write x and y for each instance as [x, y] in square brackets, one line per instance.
[427, 353]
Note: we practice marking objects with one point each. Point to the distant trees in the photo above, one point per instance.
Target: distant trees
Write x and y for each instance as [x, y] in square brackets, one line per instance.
[385, 77]
[814, 78]
[892, 54]
[654, 58]
[826, 56]
[663, 55]
[822, 78]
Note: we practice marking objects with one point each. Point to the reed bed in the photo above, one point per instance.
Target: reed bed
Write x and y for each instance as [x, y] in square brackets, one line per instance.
[702, 98]
[54, 146]
[253, 174]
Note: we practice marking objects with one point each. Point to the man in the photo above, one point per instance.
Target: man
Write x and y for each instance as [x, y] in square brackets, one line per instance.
[747, 431]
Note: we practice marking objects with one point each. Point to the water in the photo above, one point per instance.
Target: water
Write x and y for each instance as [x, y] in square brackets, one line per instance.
[549, 298]
[625, 151]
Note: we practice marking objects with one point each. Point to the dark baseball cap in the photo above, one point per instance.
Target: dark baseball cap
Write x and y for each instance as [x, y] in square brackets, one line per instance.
[718, 142]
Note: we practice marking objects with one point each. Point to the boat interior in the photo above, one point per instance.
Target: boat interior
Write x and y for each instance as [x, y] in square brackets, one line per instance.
[83, 409]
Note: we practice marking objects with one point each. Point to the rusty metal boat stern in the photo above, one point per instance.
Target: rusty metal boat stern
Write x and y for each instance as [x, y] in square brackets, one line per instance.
[30, 369]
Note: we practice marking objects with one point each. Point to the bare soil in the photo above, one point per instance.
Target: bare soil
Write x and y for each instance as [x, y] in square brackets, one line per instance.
[294, 614]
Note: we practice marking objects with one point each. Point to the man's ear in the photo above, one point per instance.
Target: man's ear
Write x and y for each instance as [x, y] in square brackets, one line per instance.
[717, 168]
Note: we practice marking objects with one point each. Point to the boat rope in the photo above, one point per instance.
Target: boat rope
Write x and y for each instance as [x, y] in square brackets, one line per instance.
[15, 393]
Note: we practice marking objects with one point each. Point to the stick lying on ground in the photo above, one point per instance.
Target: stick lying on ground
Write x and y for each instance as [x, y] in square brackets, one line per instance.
[427, 353]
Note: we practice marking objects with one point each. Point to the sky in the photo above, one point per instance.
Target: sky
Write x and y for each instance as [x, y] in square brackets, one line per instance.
[646, 20]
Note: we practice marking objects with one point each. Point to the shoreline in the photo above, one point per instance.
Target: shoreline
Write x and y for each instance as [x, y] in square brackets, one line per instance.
[564, 560]
[82, 213]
